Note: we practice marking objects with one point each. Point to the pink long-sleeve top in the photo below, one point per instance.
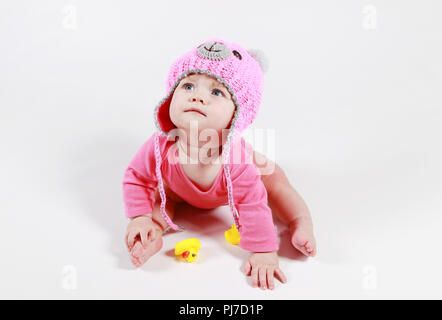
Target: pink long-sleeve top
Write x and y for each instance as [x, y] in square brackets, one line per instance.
[258, 233]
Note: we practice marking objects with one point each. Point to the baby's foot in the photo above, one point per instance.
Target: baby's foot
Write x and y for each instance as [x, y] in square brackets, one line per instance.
[302, 238]
[139, 254]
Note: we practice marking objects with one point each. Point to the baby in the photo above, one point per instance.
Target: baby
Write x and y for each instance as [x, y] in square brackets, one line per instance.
[213, 94]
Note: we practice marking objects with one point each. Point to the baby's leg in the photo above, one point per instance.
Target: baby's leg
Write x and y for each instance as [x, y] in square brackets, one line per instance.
[287, 205]
[140, 254]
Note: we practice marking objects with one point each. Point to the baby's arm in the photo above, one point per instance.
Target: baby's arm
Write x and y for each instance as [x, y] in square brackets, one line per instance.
[139, 193]
[139, 182]
[287, 204]
[257, 231]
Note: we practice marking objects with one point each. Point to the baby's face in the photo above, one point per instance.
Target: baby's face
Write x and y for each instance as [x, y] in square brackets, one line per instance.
[212, 101]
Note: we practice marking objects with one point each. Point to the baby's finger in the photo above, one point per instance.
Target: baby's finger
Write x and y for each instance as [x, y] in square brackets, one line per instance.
[270, 278]
[254, 275]
[135, 262]
[247, 268]
[131, 239]
[280, 275]
[262, 274]
[312, 252]
[143, 237]
[152, 234]
[126, 241]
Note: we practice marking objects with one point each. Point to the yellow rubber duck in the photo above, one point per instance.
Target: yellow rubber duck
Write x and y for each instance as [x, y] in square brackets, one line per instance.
[232, 235]
[188, 249]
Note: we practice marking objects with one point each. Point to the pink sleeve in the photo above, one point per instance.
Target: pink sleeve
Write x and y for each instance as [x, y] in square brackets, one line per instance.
[139, 182]
[258, 233]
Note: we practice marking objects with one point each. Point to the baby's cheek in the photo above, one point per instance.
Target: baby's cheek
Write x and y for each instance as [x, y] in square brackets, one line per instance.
[219, 121]
[228, 117]
[174, 112]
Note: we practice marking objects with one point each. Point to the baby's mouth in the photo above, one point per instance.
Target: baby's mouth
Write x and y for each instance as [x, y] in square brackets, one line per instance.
[195, 110]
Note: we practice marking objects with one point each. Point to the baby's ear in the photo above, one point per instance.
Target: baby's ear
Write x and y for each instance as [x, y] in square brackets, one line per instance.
[262, 59]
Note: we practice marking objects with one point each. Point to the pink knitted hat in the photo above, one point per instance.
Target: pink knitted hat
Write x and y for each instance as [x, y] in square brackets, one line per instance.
[241, 72]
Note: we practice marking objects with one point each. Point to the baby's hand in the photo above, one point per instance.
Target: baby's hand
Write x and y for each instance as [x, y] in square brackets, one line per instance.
[263, 266]
[143, 239]
[141, 229]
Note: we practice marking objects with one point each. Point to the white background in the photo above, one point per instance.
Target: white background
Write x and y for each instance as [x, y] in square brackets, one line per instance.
[353, 93]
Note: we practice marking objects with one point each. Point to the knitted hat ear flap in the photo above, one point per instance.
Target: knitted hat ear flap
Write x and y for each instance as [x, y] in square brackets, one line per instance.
[226, 160]
[161, 186]
[163, 116]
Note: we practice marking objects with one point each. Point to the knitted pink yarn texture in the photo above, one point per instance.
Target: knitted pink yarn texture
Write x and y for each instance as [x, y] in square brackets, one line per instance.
[239, 72]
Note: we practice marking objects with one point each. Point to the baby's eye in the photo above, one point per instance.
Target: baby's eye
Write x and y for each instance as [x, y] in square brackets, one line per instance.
[216, 90]
[186, 85]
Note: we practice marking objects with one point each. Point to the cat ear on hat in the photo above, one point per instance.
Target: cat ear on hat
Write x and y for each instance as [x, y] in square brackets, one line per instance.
[262, 59]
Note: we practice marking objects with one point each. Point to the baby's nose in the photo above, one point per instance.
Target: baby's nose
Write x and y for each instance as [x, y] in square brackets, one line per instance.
[197, 99]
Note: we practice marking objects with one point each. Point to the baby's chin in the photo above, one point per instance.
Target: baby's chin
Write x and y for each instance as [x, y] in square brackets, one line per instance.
[193, 123]
[188, 119]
